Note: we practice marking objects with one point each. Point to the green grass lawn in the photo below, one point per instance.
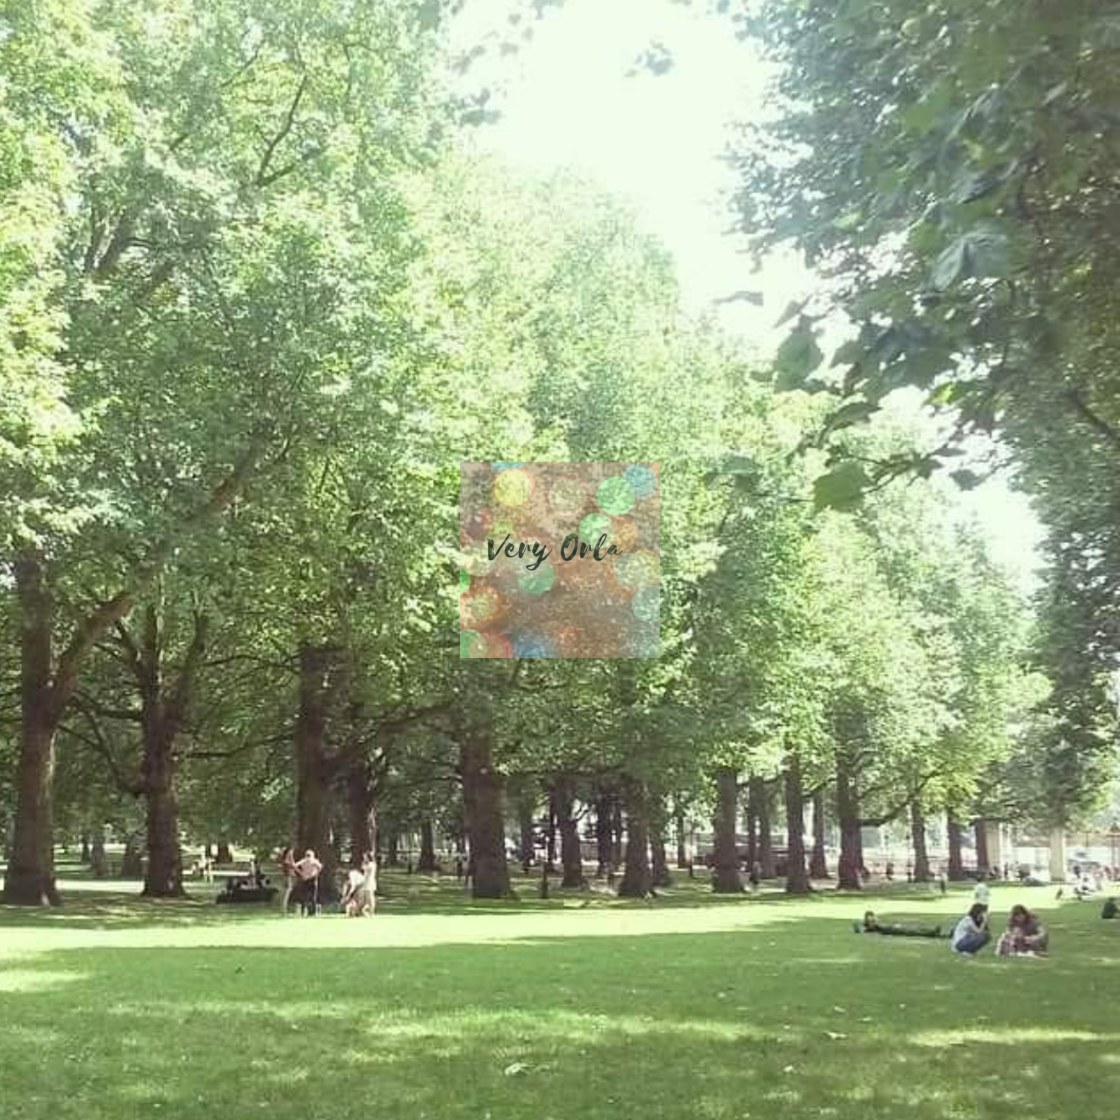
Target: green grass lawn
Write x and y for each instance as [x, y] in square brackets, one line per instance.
[438, 1008]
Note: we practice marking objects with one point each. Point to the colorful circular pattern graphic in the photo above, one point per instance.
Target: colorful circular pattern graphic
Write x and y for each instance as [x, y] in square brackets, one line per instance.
[615, 495]
[513, 487]
[593, 526]
[642, 480]
[637, 569]
[567, 497]
[532, 645]
[539, 581]
[646, 604]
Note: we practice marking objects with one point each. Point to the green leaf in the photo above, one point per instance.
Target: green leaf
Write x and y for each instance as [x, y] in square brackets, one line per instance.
[841, 488]
[966, 479]
[797, 357]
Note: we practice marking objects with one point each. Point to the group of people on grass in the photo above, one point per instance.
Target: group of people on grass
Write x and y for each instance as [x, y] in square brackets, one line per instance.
[302, 885]
[1025, 934]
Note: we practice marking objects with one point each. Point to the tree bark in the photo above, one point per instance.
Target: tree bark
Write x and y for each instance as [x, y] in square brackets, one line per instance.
[922, 872]
[393, 849]
[571, 858]
[604, 816]
[362, 812]
[682, 850]
[847, 811]
[797, 875]
[85, 848]
[98, 860]
[223, 853]
[752, 824]
[616, 829]
[765, 840]
[659, 864]
[483, 790]
[527, 843]
[956, 864]
[983, 858]
[29, 878]
[550, 835]
[132, 865]
[818, 861]
[726, 878]
[427, 861]
[315, 770]
[637, 878]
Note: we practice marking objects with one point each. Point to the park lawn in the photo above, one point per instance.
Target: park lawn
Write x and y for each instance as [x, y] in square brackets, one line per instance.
[439, 1008]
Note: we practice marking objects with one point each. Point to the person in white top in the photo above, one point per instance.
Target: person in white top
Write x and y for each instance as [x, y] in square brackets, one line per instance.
[983, 893]
[972, 933]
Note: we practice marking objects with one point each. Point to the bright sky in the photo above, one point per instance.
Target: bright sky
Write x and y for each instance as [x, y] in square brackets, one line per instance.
[567, 101]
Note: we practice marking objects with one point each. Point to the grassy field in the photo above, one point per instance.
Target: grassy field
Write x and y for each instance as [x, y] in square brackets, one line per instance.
[550, 1010]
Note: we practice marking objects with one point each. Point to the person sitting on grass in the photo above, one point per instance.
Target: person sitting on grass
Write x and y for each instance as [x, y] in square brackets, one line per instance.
[1110, 909]
[354, 900]
[871, 924]
[971, 933]
[1025, 936]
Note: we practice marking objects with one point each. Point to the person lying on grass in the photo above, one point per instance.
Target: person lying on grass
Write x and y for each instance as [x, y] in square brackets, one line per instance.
[972, 933]
[1025, 936]
[871, 924]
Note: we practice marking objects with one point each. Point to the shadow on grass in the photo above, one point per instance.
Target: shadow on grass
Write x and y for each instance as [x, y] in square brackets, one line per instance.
[799, 1020]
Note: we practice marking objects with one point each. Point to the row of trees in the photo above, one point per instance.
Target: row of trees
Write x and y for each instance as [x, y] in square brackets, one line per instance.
[255, 313]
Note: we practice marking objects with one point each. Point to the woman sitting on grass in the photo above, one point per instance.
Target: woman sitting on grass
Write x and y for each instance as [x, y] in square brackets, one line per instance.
[971, 933]
[871, 924]
[1026, 936]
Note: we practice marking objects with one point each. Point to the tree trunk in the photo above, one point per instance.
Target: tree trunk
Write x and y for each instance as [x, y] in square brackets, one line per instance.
[956, 864]
[427, 860]
[752, 824]
[818, 861]
[85, 848]
[604, 816]
[550, 835]
[315, 771]
[224, 853]
[765, 840]
[847, 810]
[132, 864]
[725, 871]
[659, 864]
[616, 829]
[29, 878]
[797, 876]
[393, 849]
[527, 845]
[682, 850]
[918, 835]
[362, 813]
[637, 878]
[98, 861]
[571, 858]
[485, 815]
[163, 877]
[983, 859]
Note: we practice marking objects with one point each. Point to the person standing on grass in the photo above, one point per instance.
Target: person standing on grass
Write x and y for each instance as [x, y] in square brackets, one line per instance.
[369, 873]
[755, 876]
[982, 893]
[942, 884]
[972, 932]
[288, 870]
[307, 871]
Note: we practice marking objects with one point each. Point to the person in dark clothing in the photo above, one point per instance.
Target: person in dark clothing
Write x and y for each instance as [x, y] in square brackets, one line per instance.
[871, 924]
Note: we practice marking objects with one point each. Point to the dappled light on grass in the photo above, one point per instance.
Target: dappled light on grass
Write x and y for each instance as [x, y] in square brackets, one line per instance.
[776, 1012]
[27, 980]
